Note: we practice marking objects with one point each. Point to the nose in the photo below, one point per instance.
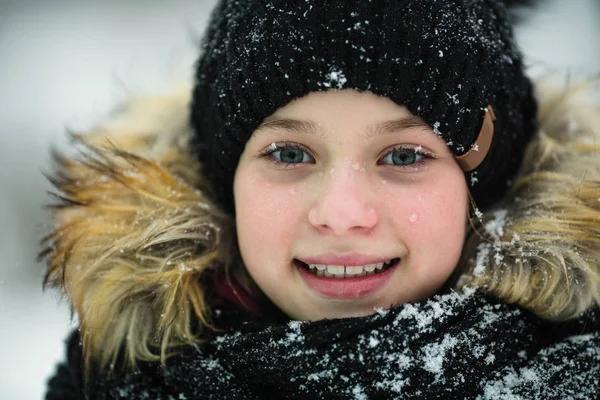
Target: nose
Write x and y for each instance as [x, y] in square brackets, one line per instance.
[345, 205]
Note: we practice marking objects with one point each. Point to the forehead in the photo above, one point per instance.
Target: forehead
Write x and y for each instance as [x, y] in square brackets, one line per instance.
[322, 103]
[321, 113]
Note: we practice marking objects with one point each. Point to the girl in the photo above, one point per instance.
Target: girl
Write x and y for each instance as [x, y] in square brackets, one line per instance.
[355, 201]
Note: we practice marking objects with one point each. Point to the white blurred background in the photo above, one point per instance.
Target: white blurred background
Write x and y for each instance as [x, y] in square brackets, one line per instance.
[67, 63]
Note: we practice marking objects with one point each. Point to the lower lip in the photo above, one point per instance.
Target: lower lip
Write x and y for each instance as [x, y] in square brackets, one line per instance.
[346, 287]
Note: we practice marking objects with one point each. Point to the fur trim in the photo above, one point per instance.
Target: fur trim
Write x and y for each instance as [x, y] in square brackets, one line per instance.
[540, 247]
[133, 234]
[135, 228]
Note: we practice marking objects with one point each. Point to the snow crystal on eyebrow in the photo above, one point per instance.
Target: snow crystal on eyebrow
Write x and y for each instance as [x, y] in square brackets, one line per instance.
[482, 258]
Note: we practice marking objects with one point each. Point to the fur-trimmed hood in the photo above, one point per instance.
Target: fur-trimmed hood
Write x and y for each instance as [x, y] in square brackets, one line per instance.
[136, 232]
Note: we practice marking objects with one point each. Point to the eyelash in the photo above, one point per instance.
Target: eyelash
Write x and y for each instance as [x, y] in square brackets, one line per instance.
[268, 155]
[425, 156]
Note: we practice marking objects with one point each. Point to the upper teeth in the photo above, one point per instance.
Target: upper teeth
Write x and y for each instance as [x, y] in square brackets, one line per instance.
[339, 271]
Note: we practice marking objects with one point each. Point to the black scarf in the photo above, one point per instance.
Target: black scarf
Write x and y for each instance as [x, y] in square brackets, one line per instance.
[453, 346]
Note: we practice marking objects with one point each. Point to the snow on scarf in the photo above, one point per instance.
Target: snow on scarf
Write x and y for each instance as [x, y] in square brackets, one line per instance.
[457, 345]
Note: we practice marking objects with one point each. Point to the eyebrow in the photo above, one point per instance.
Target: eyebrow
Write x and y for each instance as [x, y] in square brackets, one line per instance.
[303, 127]
[291, 125]
[395, 126]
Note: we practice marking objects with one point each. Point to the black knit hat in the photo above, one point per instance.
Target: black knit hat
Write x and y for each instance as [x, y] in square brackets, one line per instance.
[445, 60]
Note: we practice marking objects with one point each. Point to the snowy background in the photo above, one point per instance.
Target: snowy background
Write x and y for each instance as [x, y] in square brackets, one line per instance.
[67, 63]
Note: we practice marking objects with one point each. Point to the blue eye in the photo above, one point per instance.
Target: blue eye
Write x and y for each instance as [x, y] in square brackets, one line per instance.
[291, 156]
[403, 158]
[287, 153]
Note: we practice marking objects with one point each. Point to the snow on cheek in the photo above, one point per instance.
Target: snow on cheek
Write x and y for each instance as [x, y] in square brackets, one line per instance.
[414, 217]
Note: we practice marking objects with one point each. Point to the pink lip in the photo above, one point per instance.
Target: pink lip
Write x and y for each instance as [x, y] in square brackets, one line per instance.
[348, 259]
[346, 287]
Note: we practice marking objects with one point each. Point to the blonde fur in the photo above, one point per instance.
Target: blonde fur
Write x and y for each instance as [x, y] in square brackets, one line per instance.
[545, 256]
[134, 234]
[136, 231]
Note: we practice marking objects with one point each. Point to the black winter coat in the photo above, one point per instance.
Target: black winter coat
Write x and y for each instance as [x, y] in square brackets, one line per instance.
[121, 211]
[454, 346]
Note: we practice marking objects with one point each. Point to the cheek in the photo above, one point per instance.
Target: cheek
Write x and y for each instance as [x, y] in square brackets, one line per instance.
[266, 215]
[430, 218]
[443, 214]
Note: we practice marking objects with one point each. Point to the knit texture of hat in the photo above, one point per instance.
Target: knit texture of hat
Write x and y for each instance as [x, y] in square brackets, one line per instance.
[445, 61]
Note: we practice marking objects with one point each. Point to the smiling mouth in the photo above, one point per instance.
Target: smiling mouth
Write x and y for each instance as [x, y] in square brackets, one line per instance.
[342, 271]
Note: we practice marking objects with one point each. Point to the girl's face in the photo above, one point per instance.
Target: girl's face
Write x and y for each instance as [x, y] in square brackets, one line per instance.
[346, 202]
